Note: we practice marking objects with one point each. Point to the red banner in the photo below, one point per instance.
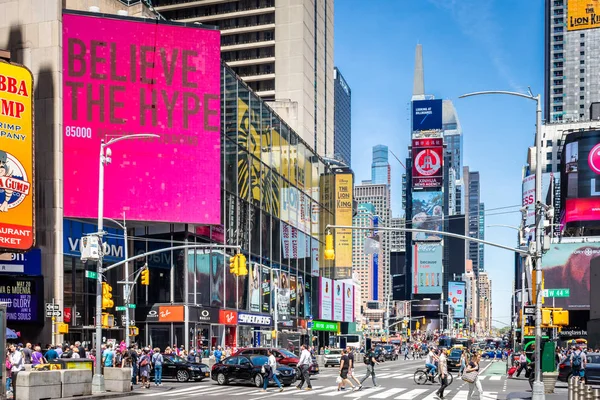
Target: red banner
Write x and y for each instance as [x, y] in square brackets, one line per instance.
[428, 162]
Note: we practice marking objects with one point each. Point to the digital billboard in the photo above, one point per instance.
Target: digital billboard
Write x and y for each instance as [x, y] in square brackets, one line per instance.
[426, 115]
[343, 216]
[583, 14]
[427, 268]
[348, 302]
[124, 77]
[338, 301]
[24, 297]
[427, 213]
[17, 183]
[567, 266]
[456, 298]
[325, 298]
[428, 161]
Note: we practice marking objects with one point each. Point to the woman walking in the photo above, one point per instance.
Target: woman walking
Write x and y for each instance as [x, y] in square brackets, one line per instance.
[463, 363]
[144, 364]
[271, 372]
[473, 368]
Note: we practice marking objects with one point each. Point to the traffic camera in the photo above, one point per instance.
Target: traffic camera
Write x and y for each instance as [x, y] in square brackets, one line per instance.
[145, 276]
[107, 301]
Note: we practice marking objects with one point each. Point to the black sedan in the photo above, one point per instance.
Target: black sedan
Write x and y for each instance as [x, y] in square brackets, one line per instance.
[247, 369]
[592, 369]
[453, 361]
[175, 367]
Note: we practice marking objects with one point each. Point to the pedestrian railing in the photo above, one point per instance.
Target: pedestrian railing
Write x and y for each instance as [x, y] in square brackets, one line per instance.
[578, 390]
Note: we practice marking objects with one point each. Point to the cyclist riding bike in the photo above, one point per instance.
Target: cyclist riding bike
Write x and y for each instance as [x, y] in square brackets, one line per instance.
[430, 363]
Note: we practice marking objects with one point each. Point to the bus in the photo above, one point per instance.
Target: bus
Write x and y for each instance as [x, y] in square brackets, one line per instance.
[346, 340]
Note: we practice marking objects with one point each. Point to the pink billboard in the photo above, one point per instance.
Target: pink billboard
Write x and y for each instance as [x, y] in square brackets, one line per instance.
[123, 77]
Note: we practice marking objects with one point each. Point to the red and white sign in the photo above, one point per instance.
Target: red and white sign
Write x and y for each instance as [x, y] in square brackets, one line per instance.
[594, 159]
[67, 315]
[228, 317]
[428, 161]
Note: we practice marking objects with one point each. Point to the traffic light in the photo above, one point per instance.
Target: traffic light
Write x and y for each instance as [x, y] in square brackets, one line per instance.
[108, 320]
[329, 251]
[561, 317]
[274, 333]
[418, 325]
[546, 316]
[242, 269]
[408, 332]
[134, 331]
[423, 321]
[145, 276]
[233, 264]
[107, 301]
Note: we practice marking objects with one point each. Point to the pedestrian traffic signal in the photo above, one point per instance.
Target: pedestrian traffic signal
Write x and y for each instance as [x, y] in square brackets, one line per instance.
[233, 264]
[561, 317]
[145, 276]
[408, 332]
[418, 325]
[134, 331]
[107, 301]
[423, 321]
[242, 269]
[329, 251]
[108, 320]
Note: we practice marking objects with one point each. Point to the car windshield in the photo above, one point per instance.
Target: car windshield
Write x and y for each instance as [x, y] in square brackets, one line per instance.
[176, 359]
[287, 353]
[455, 353]
[335, 351]
[259, 360]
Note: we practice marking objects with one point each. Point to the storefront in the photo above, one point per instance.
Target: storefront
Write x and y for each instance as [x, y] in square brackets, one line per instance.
[322, 330]
[200, 326]
[254, 330]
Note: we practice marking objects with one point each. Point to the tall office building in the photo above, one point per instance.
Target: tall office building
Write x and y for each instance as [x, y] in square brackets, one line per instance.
[283, 50]
[472, 203]
[572, 62]
[342, 107]
[397, 238]
[453, 139]
[480, 251]
[379, 196]
[380, 167]
[485, 304]
[371, 281]
[472, 296]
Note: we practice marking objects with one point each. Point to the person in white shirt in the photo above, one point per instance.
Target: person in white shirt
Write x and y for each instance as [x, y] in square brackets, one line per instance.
[17, 365]
[271, 372]
[304, 365]
[430, 362]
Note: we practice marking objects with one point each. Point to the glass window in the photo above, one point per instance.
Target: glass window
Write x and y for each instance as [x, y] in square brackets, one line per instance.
[276, 144]
[254, 128]
[276, 240]
[243, 115]
[269, 193]
[231, 100]
[300, 166]
[231, 361]
[254, 219]
[293, 159]
[255, 181]
[549, 168]
[217, 279]
[285, 151]
[243, 178]
[276, 188]
[265, 227]
[266, 136]
[231, 165]
[548, 143]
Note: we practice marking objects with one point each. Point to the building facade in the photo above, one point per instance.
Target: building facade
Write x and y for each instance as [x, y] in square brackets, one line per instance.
[572, 66]
[472, 201]
[282, 50]
[472, 295]
[371, 281]
[380, 167]
[398, 238]
[485, 304]
[342, 139]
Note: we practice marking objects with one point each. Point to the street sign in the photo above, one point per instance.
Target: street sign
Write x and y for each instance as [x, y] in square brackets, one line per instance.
[91, 274]
[131, 305]
[50, 313]
[529, 310]
[556, 292]
[51, 306]
[120, 308]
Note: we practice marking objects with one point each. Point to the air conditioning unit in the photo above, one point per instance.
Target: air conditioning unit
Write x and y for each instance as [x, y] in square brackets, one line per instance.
[89, 246]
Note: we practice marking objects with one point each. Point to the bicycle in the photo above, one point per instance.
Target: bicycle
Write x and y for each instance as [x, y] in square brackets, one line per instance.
[422, 376]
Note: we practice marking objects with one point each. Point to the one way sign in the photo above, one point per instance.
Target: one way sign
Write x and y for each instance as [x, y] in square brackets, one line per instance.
[50, 313]
[51, 306]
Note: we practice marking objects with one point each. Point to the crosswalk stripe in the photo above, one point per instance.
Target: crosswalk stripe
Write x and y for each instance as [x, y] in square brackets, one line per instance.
[334, 392]
[219, 392]
[411, 395]
[490, 395]
[387, 393]
[384, 375]
[431, 396]
[495, 378]
[401, 376]
[461, 395]
[316, 389]
[206, 391]
[361, 393]
[242, 393]
[171, 392]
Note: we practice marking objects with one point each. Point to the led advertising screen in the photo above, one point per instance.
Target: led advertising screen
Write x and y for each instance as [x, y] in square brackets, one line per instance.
[325, 299]
[24, 297]
[567, 266]
[338, 301]
[348, 302]
[427, 213]
[428, 161]
[427, 268]
[124, 77]
[426, 115]
[343, 216]
[17, 183]
[456, 298]
[583, 14]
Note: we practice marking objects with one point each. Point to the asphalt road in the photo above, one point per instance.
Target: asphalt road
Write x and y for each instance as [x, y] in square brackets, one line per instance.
[395, 380]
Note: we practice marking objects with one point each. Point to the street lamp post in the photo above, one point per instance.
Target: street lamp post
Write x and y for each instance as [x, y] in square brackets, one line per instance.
[105, 154]
[538, 386]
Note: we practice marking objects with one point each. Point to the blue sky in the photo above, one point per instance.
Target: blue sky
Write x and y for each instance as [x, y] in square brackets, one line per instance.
[468, 45]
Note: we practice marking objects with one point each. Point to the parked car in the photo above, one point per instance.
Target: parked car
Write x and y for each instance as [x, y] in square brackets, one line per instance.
[453, 361]
[334, 358]
[564, 370]
[385, 352]
[283, 356]
[247, 369]
[175, 367]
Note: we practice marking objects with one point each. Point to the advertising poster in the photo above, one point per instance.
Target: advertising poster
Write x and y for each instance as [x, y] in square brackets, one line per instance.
[338, 301]
[427, 268]
[266, 289]
[427, 213]
[124, 77]
[255, 286]
[348, 302]
[282, 283]
[583, 14]
[293, 297]
[456, 298]
[300, 296]
[567, 266]
[217, 280]
[24, 297]
[326, 299]
[17, 182]
[426, 115]
[549, 183]
[307, 299]
[343, 216]
[314, 252]
[428, 162]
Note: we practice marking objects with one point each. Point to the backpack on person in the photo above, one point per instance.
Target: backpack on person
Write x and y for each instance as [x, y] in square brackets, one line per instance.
[576, 359]
[367, 358]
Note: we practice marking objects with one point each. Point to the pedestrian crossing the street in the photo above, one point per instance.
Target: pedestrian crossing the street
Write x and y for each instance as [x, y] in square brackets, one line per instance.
[380, 392]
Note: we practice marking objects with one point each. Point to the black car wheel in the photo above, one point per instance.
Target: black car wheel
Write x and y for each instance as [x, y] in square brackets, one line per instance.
[258, 380]
[183, 375]
[221, 380]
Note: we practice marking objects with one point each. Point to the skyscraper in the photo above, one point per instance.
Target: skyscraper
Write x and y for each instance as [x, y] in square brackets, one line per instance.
[371, 281]
[342, 138]
[380, 167]
[571, 62]
[475, 218]
[283, 51]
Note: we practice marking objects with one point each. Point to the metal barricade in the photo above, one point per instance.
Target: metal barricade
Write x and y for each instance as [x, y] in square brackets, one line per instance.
[589, 393]
[596, 395]
[581, 390]
[571, 389]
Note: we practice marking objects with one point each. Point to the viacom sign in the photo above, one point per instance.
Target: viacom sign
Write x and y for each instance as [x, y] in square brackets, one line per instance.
[74, 230]
[254, 319]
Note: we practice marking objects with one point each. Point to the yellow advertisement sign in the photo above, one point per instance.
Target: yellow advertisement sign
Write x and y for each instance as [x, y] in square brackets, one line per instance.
[343, 216]
[17, 213]
[583, 14]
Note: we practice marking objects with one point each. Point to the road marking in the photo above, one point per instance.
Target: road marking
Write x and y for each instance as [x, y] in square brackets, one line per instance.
[172, 392]
[384, 375]
[316, 389]
[461, 395]
[243, 393]
[495, 378]
[401, 376]
[211, 391]
[219, 392]
[387, 393]
[411, 395]
[364, 392]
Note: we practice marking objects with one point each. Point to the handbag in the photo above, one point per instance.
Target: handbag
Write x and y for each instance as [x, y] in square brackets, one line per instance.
[338, 380]
[469, 377]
